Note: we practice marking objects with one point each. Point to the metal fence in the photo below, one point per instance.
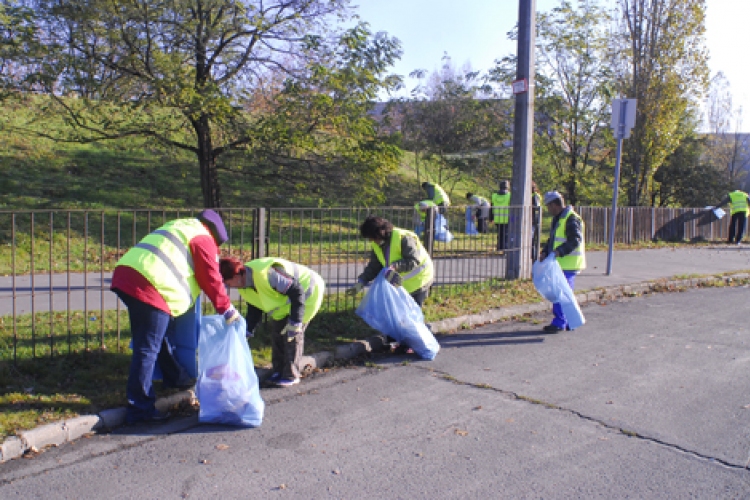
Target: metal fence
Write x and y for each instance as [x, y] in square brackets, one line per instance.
[55, 265]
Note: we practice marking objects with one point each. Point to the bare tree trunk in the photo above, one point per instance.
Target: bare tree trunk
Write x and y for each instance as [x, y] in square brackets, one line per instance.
[207, 161]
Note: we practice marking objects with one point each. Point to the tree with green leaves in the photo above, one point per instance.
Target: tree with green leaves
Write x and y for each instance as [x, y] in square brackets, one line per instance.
[661, 60]
[192, 75]
[573, 91]
[455, 123]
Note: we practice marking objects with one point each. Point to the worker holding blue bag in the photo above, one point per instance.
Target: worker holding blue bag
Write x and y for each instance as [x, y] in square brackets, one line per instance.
[291, 294]
[400, 259]
[400, 252]
[567, 244]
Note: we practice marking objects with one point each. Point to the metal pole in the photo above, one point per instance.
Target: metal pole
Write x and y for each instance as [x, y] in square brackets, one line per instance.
[620, 132]
[519, 227]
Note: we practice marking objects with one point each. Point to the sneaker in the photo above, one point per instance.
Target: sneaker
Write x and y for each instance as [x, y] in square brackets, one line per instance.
[275, 377]
[287, 382]
[552, 329]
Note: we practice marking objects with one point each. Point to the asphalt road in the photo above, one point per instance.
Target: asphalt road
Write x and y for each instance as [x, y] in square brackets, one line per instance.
[90, 292]
[649, 399]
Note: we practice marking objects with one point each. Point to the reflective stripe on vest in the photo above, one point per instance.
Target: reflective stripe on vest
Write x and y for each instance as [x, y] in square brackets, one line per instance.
[418, 277]
[500, 210]
[575, 260]
[278, 305]
[163, 257]
[738, 202]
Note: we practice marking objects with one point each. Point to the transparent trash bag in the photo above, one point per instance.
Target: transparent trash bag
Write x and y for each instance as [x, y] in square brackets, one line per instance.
[227, 386]
[442, 233]
[471, 228]
[551, 284]
[393, 312]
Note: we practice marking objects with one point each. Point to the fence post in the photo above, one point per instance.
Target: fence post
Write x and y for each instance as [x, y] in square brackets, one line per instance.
[429, 230]
[259, 238]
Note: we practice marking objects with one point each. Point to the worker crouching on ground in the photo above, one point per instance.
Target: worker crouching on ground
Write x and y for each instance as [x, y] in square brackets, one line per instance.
[566, 243]
[400, 251]
[159, 279]
[291, 294]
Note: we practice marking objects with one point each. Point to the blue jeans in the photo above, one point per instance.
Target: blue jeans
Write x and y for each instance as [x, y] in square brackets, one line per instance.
[149, 327]
[559, 319]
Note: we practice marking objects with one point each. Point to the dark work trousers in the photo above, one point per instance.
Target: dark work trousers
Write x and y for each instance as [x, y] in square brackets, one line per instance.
[286, 350]
[534, 242]
[559, 319]
[737, 227]
[420, 296]
[149, 328]
[502, 236]
[481, 222]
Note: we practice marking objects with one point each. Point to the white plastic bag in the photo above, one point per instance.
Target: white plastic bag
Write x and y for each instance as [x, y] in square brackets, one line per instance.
[227, 386]
[551, 284]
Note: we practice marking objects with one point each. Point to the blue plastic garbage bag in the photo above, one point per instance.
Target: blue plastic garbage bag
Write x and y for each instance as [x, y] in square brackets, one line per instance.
[392, 311]
[227, 385]
[470, 227]
[551, 284]
[442, 233]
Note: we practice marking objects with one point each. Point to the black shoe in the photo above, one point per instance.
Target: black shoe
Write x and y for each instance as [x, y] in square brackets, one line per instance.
[552, 329]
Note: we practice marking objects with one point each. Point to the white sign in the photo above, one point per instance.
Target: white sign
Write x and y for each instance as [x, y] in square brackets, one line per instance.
[623, 117]
[520, 86]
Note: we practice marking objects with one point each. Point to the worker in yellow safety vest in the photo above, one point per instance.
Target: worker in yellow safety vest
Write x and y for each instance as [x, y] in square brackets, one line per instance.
[437, 195]
[291, 294]
[481, 208]
[158, 280]
[566, 244]
[500, 212]
[738, 206]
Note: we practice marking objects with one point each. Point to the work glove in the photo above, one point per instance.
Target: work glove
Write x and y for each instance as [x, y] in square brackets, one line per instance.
[393, 277]
[291, 330]
[231, 315]
[355, 289]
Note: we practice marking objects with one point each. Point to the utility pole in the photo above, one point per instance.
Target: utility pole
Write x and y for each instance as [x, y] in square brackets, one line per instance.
[519, 230]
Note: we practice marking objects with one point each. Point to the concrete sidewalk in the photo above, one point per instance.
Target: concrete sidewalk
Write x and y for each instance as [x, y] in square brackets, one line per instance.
[634, 273]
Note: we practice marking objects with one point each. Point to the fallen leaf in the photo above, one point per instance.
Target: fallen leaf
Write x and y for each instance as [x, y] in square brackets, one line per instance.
[477, 408]
[462, 432]
[385, 399]
[222, 446]
[609, 402]
[282, 486]
[336, 471]
[747, 407]
[204, 461]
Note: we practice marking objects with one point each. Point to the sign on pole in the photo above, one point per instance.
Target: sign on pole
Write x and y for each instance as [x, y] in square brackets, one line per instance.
[623, 119]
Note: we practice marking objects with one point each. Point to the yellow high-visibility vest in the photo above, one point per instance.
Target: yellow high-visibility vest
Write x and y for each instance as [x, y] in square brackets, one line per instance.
[576, 260]
[416, 278]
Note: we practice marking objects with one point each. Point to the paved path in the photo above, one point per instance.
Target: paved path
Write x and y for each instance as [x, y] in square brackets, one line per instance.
[648, 400]
[90, 291]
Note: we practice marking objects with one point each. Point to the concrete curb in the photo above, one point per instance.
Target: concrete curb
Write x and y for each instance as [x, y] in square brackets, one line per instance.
[58, 433]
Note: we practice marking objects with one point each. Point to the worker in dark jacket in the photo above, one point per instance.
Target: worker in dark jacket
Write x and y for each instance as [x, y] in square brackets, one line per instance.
[738, 206]
[567, 245]
[437, 195]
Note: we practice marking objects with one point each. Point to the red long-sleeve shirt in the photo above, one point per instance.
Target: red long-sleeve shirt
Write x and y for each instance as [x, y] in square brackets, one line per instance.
[205, 254]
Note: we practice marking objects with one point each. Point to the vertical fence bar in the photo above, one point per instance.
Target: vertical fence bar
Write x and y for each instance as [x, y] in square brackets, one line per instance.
[86, 281]
[67, 281]
[117, 301]
[51, 286]
[33, 290]
[13, 283]
[101, 286]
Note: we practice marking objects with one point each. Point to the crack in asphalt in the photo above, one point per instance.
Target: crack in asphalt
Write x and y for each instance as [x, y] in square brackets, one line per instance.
[633, 434]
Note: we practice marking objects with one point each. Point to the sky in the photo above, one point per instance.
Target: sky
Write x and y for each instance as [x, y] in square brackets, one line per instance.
[476, 31]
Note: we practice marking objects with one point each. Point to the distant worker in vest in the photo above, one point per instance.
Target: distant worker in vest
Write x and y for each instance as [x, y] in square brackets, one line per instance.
[738, 206]
[500, 212]
[567, 245]
[536, 220]
[291, 294]
[437, 195]
[400, 251]
[421, 210]
[481, 208]
[159, 279]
